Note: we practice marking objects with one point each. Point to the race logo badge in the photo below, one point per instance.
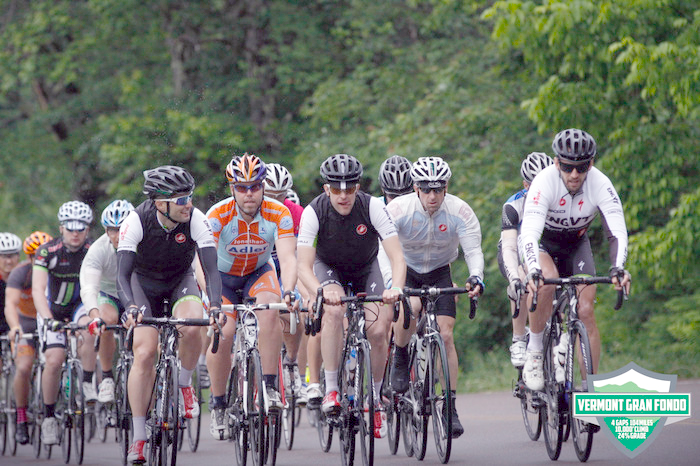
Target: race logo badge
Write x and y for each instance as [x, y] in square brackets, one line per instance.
[631, 405]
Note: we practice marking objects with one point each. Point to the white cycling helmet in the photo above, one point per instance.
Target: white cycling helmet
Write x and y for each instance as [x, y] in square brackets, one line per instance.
[534, 163]
[75, 215]
[432, 171]
[278, 178]
[115, 213]
[293, 196]
[10, 243]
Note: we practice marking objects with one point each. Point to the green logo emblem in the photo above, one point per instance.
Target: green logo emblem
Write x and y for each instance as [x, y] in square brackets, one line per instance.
[631, 405]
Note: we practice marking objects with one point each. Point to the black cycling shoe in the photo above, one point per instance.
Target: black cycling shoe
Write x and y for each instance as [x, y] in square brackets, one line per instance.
[457, 429]
[399, 373]
[22, 434]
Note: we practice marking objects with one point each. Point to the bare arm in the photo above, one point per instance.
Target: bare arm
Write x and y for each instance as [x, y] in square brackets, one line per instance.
[12, 296]
[288, 261]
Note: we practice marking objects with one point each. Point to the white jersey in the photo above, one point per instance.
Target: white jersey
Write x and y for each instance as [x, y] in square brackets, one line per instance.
[551, 210]
[432, 241]
[98, 272]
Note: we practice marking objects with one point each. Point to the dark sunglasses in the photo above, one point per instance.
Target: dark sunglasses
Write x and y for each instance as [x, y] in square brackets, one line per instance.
[569, 167]
[242, 188]
[182, 200]
[428, 189]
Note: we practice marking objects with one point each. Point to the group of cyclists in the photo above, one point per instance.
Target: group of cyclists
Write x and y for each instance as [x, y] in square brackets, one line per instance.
[260, 243]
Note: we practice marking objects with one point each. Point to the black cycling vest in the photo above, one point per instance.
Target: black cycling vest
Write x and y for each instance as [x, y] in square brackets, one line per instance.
[346, 243]
[161, 254]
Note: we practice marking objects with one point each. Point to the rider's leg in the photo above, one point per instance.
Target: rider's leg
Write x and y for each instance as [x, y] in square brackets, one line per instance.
[447, 325]
[219, 363]
[587, 316]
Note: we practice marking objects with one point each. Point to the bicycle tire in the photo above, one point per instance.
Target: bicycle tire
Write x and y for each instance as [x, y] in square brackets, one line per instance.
[194, 426]
[419, 392]
[173, 413]
[365, 397]
[63, 413]
[124, 432]
[582, 432]
[274, 434]
[347, 395]
[324, 428]
[77, 411]
[4, 419]
[10, 414]
[256, 409]
[235, 414]
[530, 409]
[36, 404]
[393, 417]
[440, 396]
[408, 407]
[552, 420]
[289, 421]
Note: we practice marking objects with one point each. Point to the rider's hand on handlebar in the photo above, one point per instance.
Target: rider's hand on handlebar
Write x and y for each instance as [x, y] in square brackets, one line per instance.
[621, 278]
[475, 286]
[95, 326]
[535, 279]
[133, 316]
[516, 289]
[217, 317]
[331, 297]
[392, 295]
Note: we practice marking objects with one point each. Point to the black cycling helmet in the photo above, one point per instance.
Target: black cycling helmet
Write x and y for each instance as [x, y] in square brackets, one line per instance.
[341, 168]
[395, 175]
[574, 145]
[166, 181]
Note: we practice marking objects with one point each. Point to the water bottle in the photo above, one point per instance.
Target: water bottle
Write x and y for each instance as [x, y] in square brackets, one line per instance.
[66, 385]
[560, 357]
[350, 365]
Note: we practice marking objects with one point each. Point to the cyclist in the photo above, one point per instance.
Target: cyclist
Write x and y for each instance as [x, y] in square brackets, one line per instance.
[337, 247]
[278, 182]
[55, 275]
[21, 317]
[98, 290]
[432, 224]
[157, 244]
[293, 196]
[508, 261]
[561, 203]
[10, 245]
[246, 227]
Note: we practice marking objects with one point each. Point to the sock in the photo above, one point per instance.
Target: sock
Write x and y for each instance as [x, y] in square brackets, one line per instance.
[107, 374]
[139, 428]
[517, 338]
[202, 361]
[288, 360]
[21, 415]
[331, 381]
[87, 376]
[185, 379]
[378, 390]
[535, 343]
[50, 410]
[270, 380]
[218, 401]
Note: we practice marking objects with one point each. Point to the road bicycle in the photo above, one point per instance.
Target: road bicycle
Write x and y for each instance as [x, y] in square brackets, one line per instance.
[252, 425]
[165, 419]
[290, 392]
[8, 410]
[429, 393]
[566, 366]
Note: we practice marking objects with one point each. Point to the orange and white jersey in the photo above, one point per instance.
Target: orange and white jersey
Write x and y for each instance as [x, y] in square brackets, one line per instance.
[244, 247]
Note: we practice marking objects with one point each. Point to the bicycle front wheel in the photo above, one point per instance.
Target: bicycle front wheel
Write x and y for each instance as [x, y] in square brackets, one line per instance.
[530, 409]
[582, 367]
[393, 418]
[77, 410]
[438, 380]
[194, 426]
[124, 432]
[63, 412]
[8, 423]
[363, 410]
[256, 409]
[551, 413]
[235, 414]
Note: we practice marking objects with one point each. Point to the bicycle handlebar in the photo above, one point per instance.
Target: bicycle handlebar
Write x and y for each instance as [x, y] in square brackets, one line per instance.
[173, 321]
[433, 292]
[621, 294]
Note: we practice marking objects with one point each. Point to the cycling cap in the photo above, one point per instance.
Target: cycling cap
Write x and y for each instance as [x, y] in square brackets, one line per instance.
[534, 163]
[115, 213]
[341, 168]
[75, 215]
[574, 145]
[278, 178]
[33, 241]
[293, 196]
[10, 243]
[432, 171]
[245, 168]
[395, 175]
[165, 181]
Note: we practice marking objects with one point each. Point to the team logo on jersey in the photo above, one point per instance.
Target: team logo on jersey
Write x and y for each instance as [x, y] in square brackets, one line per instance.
[246, 244]
[122, 231]
[442, 227]
[286, 223]
[536, 198]
[180, 238]
[215, 224]
[361, 229]
[562, 201]
[580, 204]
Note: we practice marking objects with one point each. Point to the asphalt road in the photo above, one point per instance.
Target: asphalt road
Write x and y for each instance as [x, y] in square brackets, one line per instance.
[494, 436]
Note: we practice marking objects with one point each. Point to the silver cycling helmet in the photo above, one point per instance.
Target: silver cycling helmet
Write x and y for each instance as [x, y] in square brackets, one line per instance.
[574, 145]
[534, 163]
[10, 243]
[75, 215]
[395, 176]
[115, 213]
[278, 178]
[341, 168]
[431, 171]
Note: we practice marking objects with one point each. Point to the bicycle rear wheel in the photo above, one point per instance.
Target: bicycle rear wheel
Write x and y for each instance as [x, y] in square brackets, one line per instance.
[363, 410]
[551, 412]
[393, 417]
[582, 366]
[256, 409]
[77, 410]
[289, 420]
[438, 380]
[530, 409]
[194, 426]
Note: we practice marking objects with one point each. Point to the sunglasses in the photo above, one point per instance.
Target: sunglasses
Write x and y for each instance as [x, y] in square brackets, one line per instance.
[75, 230]
[349, 190]
[242, 188]
[569, 167]
[428, 190]
[182, 200]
